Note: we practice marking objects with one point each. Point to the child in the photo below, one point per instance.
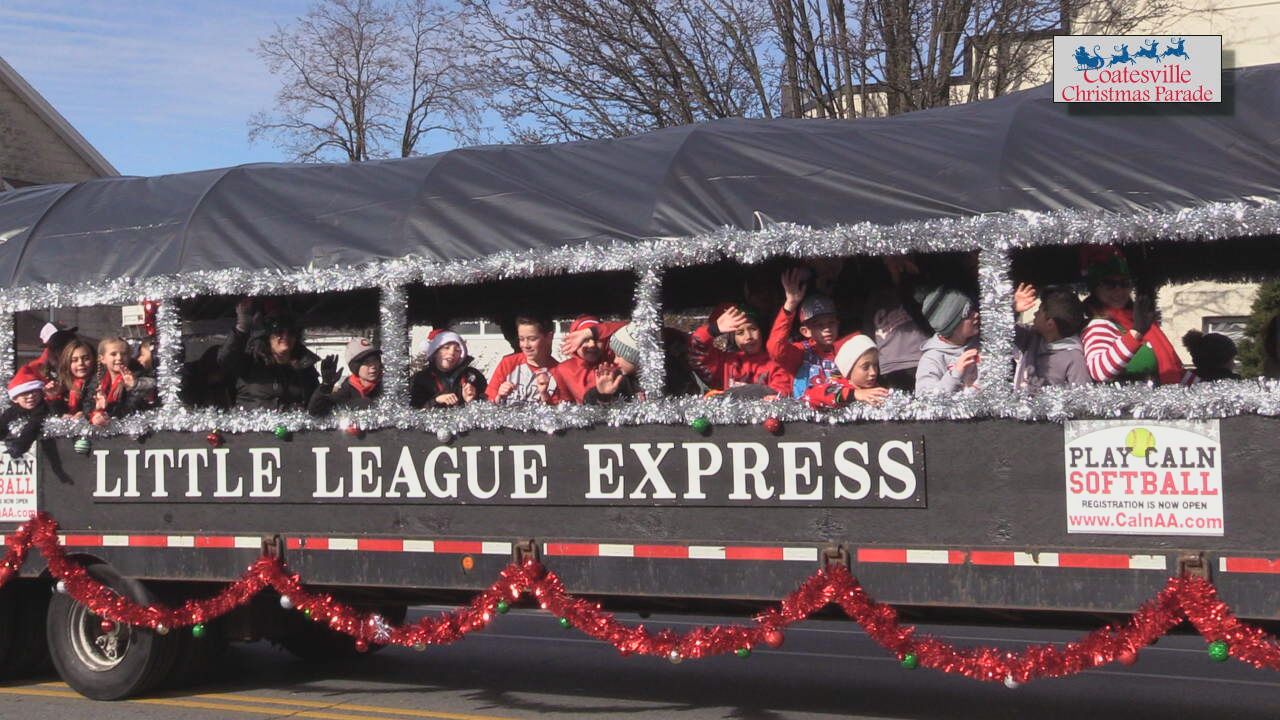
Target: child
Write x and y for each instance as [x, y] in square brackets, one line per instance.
[118, 391]
[525, 376]
[949, 361]
[587, 341]
[448, 379]
[54, 338]
[750, 365]
[1050, 352]
[73, 390]
[617, 380]
[1213, 354]
[814, 356]
[358, 390]
[858, 360]
[26, 389]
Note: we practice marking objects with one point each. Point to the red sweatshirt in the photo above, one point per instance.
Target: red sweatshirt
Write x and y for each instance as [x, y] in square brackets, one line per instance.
[804, 359]
[724, 370]
[574, 377]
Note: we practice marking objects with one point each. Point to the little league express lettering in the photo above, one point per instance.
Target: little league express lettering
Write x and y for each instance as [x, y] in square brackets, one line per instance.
[843, 473]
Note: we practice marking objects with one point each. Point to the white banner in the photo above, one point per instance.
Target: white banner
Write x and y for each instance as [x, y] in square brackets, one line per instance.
[1137, 68]
[17, 487]
[1131, 477]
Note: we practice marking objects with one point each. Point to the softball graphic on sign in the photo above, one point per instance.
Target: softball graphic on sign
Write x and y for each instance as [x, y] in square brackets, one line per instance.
[1140, 441]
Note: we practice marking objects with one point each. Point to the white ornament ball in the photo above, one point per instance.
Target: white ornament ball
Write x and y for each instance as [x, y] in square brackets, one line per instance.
[1010, 683]
[675, 657]
[60, 588]
[286, 602]
[162, 630]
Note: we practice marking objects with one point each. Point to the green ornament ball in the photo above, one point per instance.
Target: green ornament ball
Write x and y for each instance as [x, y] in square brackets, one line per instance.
[910, 661]
[197, 630]
[503, 607]
[281, 432]
[1218, 651]
[307, 612]
[742, 652]
[564, 623]
[700, 424]
[83, 446]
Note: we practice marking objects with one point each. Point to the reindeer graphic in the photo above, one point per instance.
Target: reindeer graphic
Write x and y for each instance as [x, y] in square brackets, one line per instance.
[1151, 53]
[1085, 61]
[1175, 49]
[1122, 56]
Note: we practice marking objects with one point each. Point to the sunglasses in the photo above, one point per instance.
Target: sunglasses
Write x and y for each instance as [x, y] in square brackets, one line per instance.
[1115, 283]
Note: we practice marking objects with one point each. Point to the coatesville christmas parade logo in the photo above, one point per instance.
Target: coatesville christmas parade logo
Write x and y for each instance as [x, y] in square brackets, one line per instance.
[1137, 69]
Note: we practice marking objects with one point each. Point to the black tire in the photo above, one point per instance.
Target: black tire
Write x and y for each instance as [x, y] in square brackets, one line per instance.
[314, 642]
[126, 663]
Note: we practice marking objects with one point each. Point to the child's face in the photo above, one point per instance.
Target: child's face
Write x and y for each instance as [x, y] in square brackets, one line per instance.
[624, 366]
[822, 329]
[747, 338]
[1045, 325]
[115, 358]
[370, 369]
[865, 370]
[590, 351]
[448, 356]
[966, 330]
[534, 343]
[29, 400]
[81, 363]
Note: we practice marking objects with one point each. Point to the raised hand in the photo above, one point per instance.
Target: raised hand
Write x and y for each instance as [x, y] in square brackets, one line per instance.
[1024, 297]
[468, 391]
[967, 359]
[329, 371]
[1144, 313]
[794, 283]
[608, 378]
[574, 340]
[730, 320]
[244, 314]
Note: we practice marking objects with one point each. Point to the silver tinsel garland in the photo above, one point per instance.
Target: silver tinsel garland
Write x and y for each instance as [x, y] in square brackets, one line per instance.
[994, 236]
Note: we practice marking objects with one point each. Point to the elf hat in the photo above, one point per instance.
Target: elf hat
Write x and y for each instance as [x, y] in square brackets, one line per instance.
[357, 350]
[24, 381]
[851, 347]
[440, 337]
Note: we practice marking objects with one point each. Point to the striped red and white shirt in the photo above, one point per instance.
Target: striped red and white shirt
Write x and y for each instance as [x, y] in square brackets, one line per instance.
[1108, 348]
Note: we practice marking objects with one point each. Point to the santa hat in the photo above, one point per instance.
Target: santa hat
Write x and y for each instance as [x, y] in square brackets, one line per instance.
[584, 321]
[851, 347]
[357, 350]
[440, 337]
[24, 381]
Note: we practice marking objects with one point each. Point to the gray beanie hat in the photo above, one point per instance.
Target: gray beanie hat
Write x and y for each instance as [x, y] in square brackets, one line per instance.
[623, 344]
[945, 308]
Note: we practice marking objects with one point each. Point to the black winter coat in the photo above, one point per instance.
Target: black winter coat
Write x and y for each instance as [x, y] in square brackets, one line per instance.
[18, 444]
[260, 382]
[344, 397]
[429, 383]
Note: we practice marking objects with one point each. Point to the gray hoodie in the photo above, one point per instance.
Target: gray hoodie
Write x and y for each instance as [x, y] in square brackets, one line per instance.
[1041, 363]
[934, 373]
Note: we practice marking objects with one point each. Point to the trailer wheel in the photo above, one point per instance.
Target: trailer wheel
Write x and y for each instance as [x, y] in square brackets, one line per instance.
[106, 665]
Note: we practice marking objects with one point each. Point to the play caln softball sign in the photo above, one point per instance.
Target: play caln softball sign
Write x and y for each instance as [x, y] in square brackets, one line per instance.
[1128, 477]
[1137, 68]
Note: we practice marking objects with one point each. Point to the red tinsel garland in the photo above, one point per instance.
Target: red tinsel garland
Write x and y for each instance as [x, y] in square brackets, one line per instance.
[1187, 598]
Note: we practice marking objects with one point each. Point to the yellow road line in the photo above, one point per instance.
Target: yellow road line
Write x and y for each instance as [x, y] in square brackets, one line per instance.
[266, 707]
[439, 714]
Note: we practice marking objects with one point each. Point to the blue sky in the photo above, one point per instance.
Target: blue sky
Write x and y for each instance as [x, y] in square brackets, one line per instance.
[157, 87]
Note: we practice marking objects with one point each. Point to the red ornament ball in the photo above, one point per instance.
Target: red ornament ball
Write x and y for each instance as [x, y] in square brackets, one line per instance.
[214, 439]
[773, 637]
[773, 425]
[107, 626]
[362, 646]
[353, 430]
[1127, 657]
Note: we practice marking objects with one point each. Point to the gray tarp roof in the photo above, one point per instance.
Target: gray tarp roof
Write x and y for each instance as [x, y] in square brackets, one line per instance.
[1019, 152]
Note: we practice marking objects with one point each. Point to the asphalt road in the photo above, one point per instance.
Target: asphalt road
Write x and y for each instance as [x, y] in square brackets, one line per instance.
[526, 666]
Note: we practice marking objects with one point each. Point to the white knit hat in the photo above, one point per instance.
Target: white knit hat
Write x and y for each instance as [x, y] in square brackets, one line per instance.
[849, 348]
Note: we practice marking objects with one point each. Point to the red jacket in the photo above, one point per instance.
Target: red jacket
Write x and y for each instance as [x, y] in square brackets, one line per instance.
[574, 377]
[827, 393]
[804, 359]
[724, 370]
